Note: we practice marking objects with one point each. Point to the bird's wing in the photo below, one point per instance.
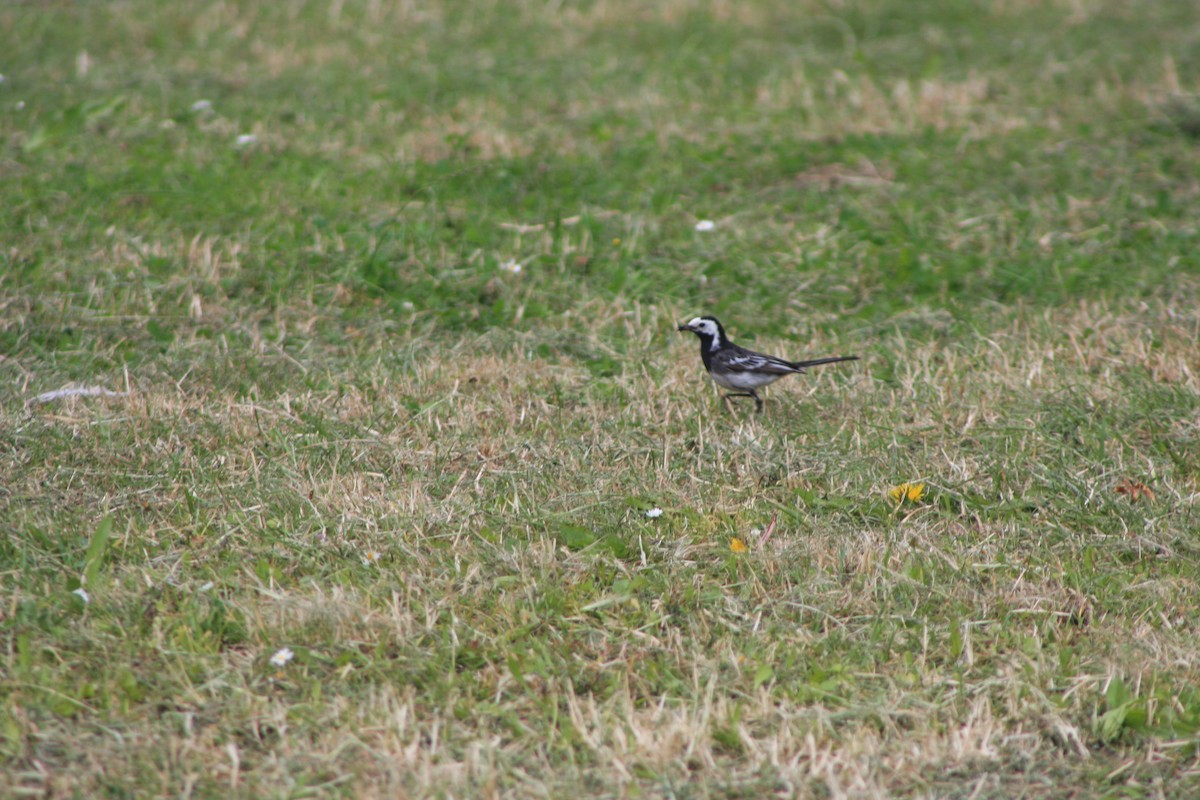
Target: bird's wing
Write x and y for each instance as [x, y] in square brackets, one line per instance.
[741, 360]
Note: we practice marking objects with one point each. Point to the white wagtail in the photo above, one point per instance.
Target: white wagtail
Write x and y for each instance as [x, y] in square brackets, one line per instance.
[738, 368]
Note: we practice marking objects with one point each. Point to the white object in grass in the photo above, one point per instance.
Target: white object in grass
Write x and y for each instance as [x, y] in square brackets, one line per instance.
[76, 391]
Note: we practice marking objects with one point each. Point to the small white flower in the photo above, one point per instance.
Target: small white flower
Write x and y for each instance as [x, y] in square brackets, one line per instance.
[1, 79]
[282, 656]
[82, 594]
[207, 586]
[408, 305]
[246, 139]
[705, 225]
[510, 266]
[202, 106]
[20, 105]
[371, 557]
[654, 513]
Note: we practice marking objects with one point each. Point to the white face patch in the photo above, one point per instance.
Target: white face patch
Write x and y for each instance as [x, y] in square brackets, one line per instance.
[708, 328]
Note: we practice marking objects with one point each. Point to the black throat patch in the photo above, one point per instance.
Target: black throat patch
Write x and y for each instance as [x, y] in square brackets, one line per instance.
[706, 350]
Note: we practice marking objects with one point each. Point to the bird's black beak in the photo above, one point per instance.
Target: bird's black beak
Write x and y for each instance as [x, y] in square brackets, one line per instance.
[683, 328]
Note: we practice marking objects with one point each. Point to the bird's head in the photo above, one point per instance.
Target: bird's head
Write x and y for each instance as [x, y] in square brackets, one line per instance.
[706, 328]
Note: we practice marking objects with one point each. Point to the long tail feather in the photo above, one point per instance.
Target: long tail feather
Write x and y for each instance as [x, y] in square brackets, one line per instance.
[818, 361]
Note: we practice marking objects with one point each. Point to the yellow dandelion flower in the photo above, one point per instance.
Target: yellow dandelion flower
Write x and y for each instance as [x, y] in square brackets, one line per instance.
[912, 492]
[737, 545]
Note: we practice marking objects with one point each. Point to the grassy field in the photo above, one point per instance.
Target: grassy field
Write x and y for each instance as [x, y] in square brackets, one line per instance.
[339, 423]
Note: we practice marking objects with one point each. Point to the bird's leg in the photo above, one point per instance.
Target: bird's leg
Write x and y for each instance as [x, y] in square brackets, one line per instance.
[729, 405]
[758, 403]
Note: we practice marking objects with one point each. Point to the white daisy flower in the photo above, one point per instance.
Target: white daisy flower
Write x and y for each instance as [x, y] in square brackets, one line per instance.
[705, 225]
[371, 557]
[82, 594]
[246, 139]
[282, 656]
[510, 266]
[201, 106]
[654, 513]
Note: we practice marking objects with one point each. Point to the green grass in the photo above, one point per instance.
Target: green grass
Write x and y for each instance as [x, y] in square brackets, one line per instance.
[344, 429]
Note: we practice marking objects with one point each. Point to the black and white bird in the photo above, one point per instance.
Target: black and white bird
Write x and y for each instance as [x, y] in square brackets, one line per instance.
[740, 369]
